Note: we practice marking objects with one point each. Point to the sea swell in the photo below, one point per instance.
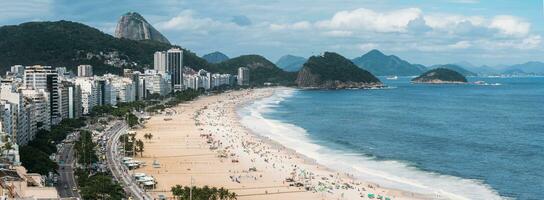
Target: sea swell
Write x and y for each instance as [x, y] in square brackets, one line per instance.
[388, 173]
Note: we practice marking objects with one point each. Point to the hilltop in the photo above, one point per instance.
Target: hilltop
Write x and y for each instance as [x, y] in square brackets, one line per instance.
[68, 44]
[133, 26]
[440, 75]
[261, 70]
[333, 71]
[456, 68]
[215, 57]
[380, 64]
[291, 63]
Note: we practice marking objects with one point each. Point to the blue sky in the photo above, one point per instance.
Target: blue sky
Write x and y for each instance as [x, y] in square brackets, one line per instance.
[425, 31]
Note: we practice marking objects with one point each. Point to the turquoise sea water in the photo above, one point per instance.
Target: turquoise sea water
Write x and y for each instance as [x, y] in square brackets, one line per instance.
[462, 141]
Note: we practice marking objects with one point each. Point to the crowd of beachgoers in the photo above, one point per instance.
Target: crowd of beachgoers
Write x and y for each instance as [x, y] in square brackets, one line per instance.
[204, 143]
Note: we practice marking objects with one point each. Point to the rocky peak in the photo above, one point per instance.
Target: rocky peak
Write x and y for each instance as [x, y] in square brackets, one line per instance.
[133, 26]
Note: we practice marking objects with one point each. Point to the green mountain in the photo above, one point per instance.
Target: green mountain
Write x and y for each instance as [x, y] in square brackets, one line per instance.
[291, 63]
[261, 70]
[69, 44]
[532, 67]
[380, 64]
[332, 70]
[440, 75]
[215, 57]
[456, 68]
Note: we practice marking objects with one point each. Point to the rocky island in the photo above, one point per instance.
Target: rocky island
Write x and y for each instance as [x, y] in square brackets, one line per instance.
[333, 71]
[440, 76]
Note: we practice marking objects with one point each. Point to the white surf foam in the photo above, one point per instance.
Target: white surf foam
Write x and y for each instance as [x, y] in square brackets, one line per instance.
[392, 174]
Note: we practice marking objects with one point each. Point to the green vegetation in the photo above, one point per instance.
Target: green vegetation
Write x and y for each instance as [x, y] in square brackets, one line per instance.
[128, 144]
[440, 75]
[98, 186]
[148, 136]
[456, 68]
[202, 193]
[261, 70]
[121, 110]
[86, 154]
[69, 44]
[332, 67]
[35, 155]
[381, 65]
[36, 161]
[139, 147]
[65, 43]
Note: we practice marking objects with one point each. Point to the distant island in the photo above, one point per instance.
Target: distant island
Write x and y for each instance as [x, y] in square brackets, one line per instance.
[333, 71]
[440, 76]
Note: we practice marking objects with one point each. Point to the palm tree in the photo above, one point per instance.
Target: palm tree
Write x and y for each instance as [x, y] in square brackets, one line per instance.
[232, 196]
[214, 193]
[140, 147]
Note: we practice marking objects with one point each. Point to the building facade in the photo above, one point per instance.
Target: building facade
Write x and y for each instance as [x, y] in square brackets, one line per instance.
[243, 76]
[174, 66]
[45, 78]
[85, 71]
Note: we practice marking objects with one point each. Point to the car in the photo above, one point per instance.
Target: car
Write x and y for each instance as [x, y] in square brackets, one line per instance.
[74, 188]
[65, 186]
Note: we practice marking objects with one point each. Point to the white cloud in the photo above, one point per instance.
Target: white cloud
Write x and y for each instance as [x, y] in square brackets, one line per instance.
[367, 46]
[369, 20]
[460, 45]
[302, 25]
[186, 20]
[28, 9]
[337, 33]
[510, 25]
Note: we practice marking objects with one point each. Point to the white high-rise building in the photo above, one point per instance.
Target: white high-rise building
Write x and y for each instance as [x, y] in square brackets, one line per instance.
[45, 78]
[156, 83]
[74, 101]
[159, 62]
[88, 93]
[174, 66]
[39, 114]
[17, 70]
[125, 89]
[19, 121]
[84, 70]
[243, 76]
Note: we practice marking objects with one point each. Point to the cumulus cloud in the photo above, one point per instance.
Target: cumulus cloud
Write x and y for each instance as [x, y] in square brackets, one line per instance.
[411, 28]
[460, 45]
[187, 20]
[369, 20]
[367, 46]
[302, 25]
[510, 25]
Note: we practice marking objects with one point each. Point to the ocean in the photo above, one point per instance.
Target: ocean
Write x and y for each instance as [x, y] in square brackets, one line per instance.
[458, 141]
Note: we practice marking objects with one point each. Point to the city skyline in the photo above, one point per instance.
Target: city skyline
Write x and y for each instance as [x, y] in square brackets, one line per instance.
[426, 32]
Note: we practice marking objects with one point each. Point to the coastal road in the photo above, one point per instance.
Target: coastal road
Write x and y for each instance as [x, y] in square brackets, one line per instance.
[119, 171]
[67, 181]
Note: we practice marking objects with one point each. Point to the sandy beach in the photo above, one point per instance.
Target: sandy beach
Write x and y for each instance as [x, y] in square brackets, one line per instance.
[203, 143]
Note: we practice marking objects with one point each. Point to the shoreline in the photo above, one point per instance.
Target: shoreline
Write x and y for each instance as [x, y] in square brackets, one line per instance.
[206, 143]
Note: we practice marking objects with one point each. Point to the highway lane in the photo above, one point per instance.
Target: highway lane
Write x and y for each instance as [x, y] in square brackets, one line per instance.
[67, 182]
[119, 171]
